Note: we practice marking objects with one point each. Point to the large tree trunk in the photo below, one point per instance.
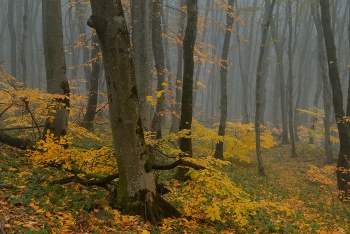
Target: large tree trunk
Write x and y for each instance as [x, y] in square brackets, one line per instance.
[290, 81]
[265, 28]
[187, 87]
[136, 190]
[55, 67]
[140, 13]
[219, 151]
[343, 165]
[158, 54]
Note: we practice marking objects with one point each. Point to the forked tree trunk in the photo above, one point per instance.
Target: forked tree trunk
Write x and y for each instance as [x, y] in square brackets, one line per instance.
[265, 28]
[136, 191]
[343, 163]
[219, 150]
[55, 67]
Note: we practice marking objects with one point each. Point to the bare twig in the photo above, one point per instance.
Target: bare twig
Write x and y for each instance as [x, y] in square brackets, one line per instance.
[3, 112]
[26, 103]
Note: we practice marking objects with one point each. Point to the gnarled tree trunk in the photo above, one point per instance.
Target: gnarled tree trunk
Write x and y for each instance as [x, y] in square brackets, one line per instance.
[136, 190]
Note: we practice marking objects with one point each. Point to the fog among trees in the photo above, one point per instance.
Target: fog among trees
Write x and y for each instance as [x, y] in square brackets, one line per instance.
[155, 93]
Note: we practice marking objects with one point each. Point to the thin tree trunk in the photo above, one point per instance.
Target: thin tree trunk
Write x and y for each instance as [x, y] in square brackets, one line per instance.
[219, 151]
[290, 81]
[187, 88]
[88, 121]
[12, 31]
[158, 54]
[23, 44]
[175, 125]
[265, 28]
[279, 47]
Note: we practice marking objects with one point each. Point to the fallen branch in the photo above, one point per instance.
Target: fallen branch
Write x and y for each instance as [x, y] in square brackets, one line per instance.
[8, 186]
[101, 183]
[15, 142]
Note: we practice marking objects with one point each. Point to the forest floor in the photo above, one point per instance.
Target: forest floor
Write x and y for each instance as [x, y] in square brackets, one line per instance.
[304, 184]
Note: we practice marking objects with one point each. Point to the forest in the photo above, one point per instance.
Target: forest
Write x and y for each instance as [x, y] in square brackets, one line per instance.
[174, 116]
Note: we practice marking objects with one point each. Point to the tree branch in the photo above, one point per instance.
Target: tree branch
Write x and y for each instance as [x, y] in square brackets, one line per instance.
[179, 162]
[101, 183]
[24, 99]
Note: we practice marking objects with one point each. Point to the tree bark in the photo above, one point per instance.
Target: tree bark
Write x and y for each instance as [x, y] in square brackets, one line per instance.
[187, 87]
[175, 125]
[343, 165]
[219, 150]
[137, 189]
[55, 67]
[88, 121]
[12, 31]
[290, 81]
[265, 28]
[279, 47]
[158, 54]
[23, 44]
[140, 13]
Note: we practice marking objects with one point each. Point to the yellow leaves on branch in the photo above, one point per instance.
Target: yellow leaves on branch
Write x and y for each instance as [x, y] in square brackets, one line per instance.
[52, 152]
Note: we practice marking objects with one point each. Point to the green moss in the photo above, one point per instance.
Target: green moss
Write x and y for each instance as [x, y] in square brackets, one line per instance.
[148, 165]
[66, 91]
[134, 90]
[139, 128]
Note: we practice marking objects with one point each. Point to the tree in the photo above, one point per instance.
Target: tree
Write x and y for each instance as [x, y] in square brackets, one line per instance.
[12, 31]
[23, 43]
[219, 150]
[140, 13]
[290, 80]
[265, 28]
[158, 54]
[343, 163]
[136, 190]
[325, 82]
[88, 121]
[187, 87]
[55, 66]
[178, 82]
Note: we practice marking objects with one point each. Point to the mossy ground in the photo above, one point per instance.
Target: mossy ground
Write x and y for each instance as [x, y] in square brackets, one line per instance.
[305, 183]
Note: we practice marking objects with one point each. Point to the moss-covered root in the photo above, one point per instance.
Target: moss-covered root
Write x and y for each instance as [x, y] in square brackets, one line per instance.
[160, 209]
[152, 207]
